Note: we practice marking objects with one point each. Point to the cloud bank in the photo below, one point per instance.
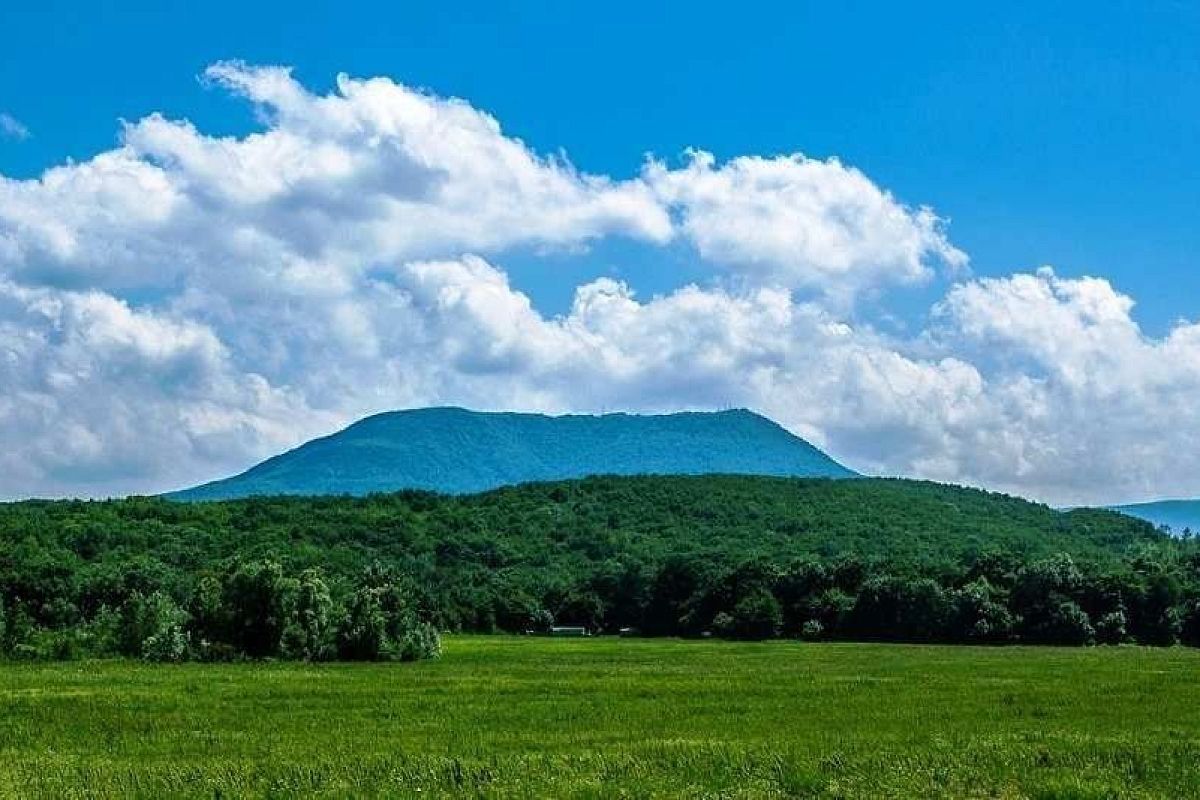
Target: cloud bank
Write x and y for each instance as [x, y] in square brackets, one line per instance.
[183, 305]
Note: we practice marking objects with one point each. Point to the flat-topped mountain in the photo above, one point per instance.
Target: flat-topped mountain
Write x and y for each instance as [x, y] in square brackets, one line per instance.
[456, 451]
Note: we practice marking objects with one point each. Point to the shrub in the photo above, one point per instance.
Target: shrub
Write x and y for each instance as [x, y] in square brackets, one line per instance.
[422, 640]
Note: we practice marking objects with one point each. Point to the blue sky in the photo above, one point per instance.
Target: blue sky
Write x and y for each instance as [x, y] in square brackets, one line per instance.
[1061, 135]
[213, 247]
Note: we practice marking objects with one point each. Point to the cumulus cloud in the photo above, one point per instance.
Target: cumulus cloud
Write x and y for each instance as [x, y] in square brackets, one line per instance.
[1093, 407]
[803, 222]
[102, 398]
[373, 173]
[180, 306]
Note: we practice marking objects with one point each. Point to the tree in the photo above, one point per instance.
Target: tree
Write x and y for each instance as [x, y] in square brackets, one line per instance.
[381, 622]
[1066, 623]
[409, 634]
[1112, 628]
[152, 628]
[893, 608]
[798, 588]
[306, 634]
[832, 609]
[925, 611]
[362, 630]
[19, 629]
[1043, 598]
[1190, 627]
[582, 608]
[165, 620]
[1157, 619]
[678, 584]
[209, 622]
[756, 616]
[514, 608]
[254, 596]
[420, 640]
[980, 614]
[668, 555]
[134, 626]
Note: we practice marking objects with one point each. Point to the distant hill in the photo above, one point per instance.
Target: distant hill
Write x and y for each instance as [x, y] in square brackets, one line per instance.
[456, 451]
[559, 527]
[1178, 515]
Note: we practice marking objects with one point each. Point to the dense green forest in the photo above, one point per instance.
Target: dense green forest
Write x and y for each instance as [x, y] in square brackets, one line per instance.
[734, 556]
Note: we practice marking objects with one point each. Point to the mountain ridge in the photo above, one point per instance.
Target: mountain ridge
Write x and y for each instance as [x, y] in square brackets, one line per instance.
[1177, 514]
[458, 451]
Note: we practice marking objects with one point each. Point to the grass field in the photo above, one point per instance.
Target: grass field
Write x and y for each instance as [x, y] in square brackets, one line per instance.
[605, 717]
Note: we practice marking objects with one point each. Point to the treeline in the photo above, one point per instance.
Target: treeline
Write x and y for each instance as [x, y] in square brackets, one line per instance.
[994, 599]
[250, 610]
[377, 577]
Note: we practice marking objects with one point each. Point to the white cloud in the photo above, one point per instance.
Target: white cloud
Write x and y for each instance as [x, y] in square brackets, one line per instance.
[12, 128]
[1094, 407]
[102, 398]
[335, 185]
[178, 307]
[803, 222]
[1032, 384]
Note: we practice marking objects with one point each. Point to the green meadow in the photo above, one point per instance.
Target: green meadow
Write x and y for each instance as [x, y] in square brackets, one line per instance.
[607, 717]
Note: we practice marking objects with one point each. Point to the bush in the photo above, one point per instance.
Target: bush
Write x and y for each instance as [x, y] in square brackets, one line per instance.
[421, 641]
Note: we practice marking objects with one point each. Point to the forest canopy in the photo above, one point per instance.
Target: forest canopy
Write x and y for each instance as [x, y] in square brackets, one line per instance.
[735, 556]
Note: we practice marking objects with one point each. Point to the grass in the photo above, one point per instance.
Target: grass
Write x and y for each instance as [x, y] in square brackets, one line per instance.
[513, 717]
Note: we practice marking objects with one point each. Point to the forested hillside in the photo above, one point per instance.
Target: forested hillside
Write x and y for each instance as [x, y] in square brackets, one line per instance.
[739, 556]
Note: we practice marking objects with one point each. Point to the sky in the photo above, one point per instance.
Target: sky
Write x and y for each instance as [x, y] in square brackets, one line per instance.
[942, 242]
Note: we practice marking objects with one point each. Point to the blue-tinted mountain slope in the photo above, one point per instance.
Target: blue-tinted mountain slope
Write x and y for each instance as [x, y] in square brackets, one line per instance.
[453, 450]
